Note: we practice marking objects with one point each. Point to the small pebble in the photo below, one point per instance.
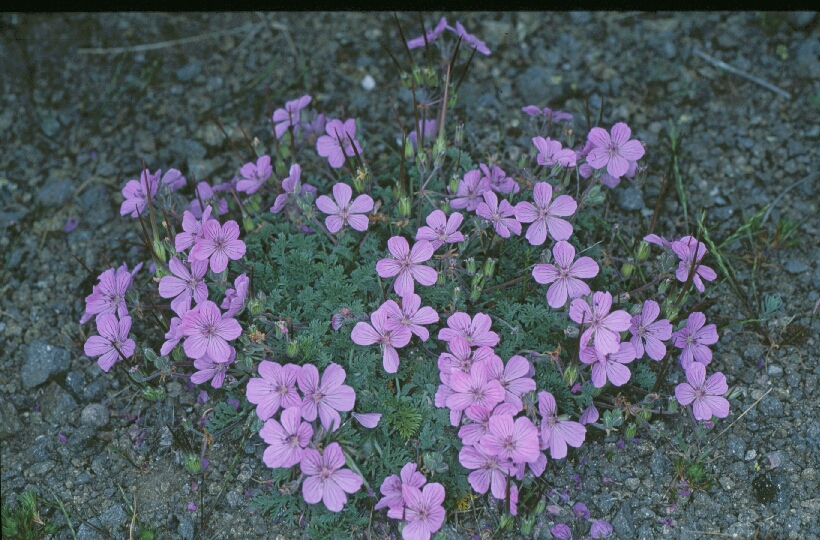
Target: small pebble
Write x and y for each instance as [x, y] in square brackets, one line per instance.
[368, 83]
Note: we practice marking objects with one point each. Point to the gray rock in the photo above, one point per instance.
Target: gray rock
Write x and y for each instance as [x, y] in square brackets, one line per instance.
[42, 361]
[580, 17]
[754, 353]
[41, 451]
[9, 422]
[94, 415]
[75, 383]
[56, 192]
[623, 523]
[660, 465]
[95, 390]
[113, 518]
[771, 406]
[796, 266]
[189, 71]
[807, 58]
[630, 199]
[81, 438]
[534, 85]
[41, 468]
[736, 447]
[56, 403]
[801, 19]
[604, 502]
[83, 479]
[775, 370]
[185, 528]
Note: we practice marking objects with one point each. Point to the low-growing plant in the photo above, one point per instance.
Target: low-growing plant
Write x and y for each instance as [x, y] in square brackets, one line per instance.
[425, 322]
[24, 521]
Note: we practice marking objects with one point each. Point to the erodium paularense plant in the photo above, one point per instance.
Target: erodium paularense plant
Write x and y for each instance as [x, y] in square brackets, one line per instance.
[407, 327]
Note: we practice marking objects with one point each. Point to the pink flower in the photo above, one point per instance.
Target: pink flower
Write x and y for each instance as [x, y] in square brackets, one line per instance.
[108, 296]
[589, 416]
[274, 388]
[502, 217]
[336, 144]
[475, 389]
[389, 340]
[173, 179]
[685, 250]
[561, 531]
[254, 175]
[409, 315]
[289, 116]
[205, 196]
[564, 274]
[515, 380]
[326, 480]
[643, 329]
[184, 284]
[543, 214]
[476, 332]
[208, 332]
[550, 153]
[219, 243]
[432, 35]
[658, 240]
[429, 131]
[557, 433]
[391, 487]
[192, 228]
[368, 420]
[471, 40]
[293, 189]
[113, 336]
[209, 369]
[694, 338]
[328, 397]
[609, 366]
[135, 193]
[287, 440]
[469, 190]
[613, 151]
[514, 441]
[462, 357]
[556, 116]
[235, 298]
[173, 336]
[603, 325]
[441, 230]
[407, 265]
[705, 394]
[424, 512]
[498, 179]
[343, 210]
[600, 529]
[487, 471]
[471, 433]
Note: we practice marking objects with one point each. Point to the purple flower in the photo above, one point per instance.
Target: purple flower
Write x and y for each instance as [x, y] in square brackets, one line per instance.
[274, 388]
[326, 480]
[556, 116]
[501, 216]
[432, 35]
[658, 240]
[550, 153]
[429, 131]
[293, 188]
[515, 380]
[475, 389]
[581, 511]
[516, 441]
[600, 529]
[406, 263]
[564, 274]
[609, 366]
[543, 214]
[71, 224]
[287, 440]
[212, 371]
[173, 179]
[193, 229]
[336, 144]
[488, 471]
[603, 325]
[498, 179]
[314, 127]
[219, 243]
[326, 398]
[389, 340]
[205, 194]
[191, 507]
[424, 512]
[108, 296]
[589, 416]
[202, 398]
[343, 210]
[561, 531]
[113, 336]
[135, 193]
[613, 151]
[645, 330]
[694, 338]
[289, 116]
[368, 420]
[410, 315]
[475, 43]
[184, 284]
[173, 336]
[555, 432]
[391, 487]
[235, 298]
[475, 331]
[470, 434]
[706, 395]
[685, 250]
[208, 332]
[469, 190]
[62, 437]
[441, 230]
[254, 175]
[462, 357]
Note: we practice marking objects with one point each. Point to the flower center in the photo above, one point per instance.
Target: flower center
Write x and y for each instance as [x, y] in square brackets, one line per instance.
[326, 473]
[282, 389]
[292, 440]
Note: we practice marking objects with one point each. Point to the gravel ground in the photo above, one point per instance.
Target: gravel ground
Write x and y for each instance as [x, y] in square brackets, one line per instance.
[76, 126]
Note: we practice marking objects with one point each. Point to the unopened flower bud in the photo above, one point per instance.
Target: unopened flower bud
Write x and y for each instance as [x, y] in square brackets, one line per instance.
[475, 293]
[409, 152]
[358, 184]
[571, 332]
[440, 147]
[418, 76]
[192, 463]
[527, 524]
[489, 268]
[571, 374]
[405, 79]
[404, 207]
[432, 78]
[247, 223]
[451, 101]
[421, 163]
[441, 279]
[454, 183]
[663, 286]
[292, 348]
[281, 169]
[471, 266]
[132, 297]
[630, 431]
[178, 354]
[159, 249]
[673, 405]
[643, 251]
[456, 294]
[152, 393]
[627, 269]
[505, 522]
[459, 138]
[444, 206]
[478, 278]
[540, 507]
[255, 306]
[733, 393]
